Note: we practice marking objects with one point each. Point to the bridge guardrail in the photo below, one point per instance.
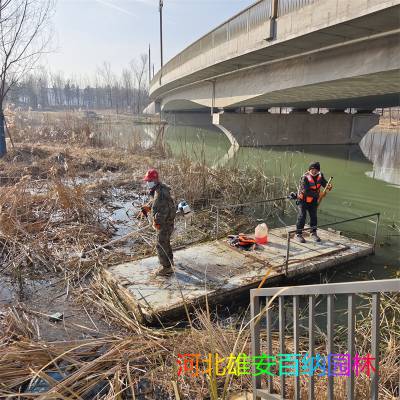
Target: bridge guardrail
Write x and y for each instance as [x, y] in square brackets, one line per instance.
[248, 19]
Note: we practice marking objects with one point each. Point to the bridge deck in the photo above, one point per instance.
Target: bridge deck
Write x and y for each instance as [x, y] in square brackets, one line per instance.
[218, 270]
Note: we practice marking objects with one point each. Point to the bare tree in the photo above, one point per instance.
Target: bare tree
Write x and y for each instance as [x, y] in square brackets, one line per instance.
[126, 91]
[57, 82]
[23, 40]
[139, 70]
[42, 83]
[108, 78]
[128, 87]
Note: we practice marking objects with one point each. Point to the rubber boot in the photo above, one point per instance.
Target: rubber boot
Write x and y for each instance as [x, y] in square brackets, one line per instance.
[163, 271]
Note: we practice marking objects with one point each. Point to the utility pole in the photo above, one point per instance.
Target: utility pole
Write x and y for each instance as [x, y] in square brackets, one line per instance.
[149, 66]
[161, 37]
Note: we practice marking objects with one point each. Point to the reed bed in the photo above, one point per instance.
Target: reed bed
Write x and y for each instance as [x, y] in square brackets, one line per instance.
[41, 227]
[60, 127]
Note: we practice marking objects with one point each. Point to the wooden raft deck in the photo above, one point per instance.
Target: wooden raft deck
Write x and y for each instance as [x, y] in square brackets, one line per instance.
[219, 271]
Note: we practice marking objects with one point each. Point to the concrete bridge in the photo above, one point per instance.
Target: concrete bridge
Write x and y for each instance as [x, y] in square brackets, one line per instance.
[334, 54]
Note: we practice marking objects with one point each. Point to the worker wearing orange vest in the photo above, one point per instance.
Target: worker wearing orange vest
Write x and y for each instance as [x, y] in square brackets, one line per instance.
[310, 185]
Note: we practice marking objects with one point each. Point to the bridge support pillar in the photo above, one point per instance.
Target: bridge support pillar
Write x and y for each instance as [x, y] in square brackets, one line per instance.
[157, 107]
[265, 129]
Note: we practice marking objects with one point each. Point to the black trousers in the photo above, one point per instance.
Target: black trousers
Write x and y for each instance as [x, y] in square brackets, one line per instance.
[311, 208]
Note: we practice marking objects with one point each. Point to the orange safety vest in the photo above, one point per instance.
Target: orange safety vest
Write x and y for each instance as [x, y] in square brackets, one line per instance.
[313, 186]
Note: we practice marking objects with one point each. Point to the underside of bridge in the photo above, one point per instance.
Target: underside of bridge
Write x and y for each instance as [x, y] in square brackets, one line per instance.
[355, 75]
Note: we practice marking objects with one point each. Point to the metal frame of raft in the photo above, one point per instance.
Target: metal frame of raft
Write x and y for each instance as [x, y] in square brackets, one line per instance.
[215, 271]
[377, 215]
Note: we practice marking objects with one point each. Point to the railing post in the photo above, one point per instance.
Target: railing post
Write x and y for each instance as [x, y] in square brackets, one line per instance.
[268, 316]
[255, 340]
[376, 230]
[282, 324]
[287, 254]
[350, 342]
[311, 340]
[330, 332]
[375, 345]
[296, 335]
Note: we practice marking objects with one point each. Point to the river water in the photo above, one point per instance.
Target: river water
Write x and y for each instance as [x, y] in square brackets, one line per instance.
[366, 180]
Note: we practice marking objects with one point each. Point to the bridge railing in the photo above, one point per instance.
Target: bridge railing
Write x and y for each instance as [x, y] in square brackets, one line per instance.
[293, 295]
[288, 6]
[244, 22]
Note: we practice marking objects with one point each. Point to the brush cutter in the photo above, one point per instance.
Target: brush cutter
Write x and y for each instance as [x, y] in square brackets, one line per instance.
[327, 189]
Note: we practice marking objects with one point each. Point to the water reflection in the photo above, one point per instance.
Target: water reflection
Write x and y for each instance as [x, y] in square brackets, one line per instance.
[382, 147]
[230, 154]
[126, 135]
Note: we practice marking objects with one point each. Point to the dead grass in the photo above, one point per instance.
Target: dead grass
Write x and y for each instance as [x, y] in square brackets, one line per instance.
[116, 367]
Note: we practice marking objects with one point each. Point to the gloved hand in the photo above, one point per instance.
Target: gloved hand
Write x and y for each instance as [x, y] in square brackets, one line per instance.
[156, 227]
[143, 213]
[145, 210]
[292, 196]
[329, 186]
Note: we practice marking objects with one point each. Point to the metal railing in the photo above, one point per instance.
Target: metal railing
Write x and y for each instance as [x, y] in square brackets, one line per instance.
[241, 22]
[288, 6]
[350, 289]
[289, 233]
[285, 266]
[246, 20]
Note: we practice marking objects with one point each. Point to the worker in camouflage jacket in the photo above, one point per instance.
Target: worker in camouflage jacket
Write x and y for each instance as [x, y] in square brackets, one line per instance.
[163, 213]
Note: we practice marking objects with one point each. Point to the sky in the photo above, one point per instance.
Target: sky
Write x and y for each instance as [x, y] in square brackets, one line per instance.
[89, 32]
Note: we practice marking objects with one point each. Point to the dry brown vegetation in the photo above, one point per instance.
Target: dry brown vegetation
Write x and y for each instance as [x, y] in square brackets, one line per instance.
[142, 362]
[56, 199]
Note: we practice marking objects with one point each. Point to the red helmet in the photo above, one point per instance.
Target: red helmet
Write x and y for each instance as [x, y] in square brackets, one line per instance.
[151, 175]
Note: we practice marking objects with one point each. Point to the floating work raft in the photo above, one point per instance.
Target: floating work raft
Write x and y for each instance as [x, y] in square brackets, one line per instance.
[218, 271]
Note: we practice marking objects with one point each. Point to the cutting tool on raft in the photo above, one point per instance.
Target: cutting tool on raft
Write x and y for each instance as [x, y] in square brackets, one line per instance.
[327, 189]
